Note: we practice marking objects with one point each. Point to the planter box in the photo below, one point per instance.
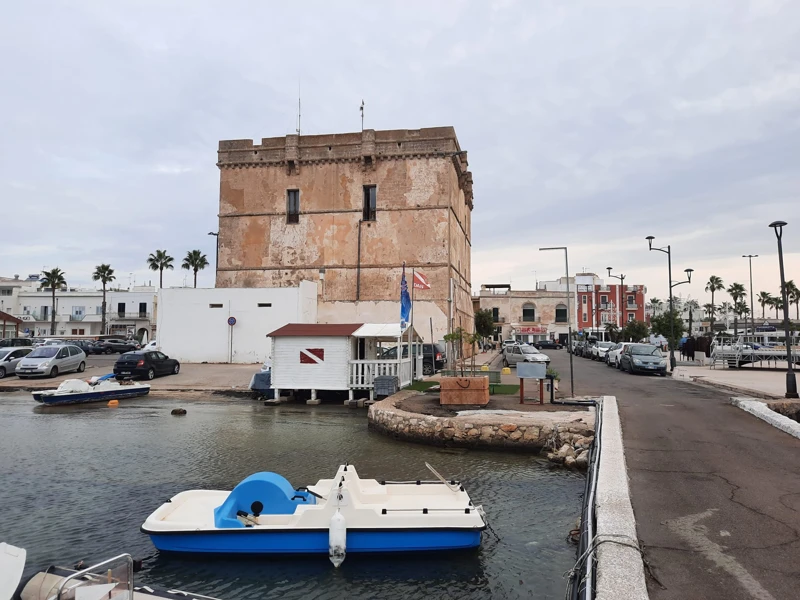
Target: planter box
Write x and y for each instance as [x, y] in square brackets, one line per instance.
[464, 390]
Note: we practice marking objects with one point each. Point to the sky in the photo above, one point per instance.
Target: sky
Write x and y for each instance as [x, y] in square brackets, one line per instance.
[588, 125]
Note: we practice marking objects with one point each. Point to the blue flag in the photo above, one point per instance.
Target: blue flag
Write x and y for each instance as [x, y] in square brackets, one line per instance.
[405, 300]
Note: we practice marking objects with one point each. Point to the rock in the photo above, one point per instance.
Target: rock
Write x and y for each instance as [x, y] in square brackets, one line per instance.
[487, 432]
[569, 462]
[508, 427]
[582, 462]
[473, 432]
[554, 458]
[565, 451]
[515, 435]
[531, 433]
[178, 411]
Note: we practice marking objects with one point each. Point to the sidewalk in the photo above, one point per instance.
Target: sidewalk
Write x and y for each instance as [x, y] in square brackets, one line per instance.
[745, 380]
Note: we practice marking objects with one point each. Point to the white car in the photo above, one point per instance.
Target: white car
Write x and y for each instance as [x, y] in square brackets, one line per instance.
[600, 349]
[612, 357]
[52, 360]
[523, 353]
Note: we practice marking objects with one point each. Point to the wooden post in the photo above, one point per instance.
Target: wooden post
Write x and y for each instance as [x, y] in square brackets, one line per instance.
[521, 390]
[541, 391]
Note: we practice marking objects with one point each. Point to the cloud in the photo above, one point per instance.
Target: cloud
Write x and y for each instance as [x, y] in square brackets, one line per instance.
[588, 124]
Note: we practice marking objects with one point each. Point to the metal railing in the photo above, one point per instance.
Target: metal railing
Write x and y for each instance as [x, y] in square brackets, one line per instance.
[129, 315]
[114, 575]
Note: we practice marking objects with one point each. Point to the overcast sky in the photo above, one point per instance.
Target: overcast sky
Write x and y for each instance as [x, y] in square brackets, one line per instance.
[588, 124]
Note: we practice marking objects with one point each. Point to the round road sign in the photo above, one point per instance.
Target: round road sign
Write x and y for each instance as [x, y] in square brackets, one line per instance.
[231, 321]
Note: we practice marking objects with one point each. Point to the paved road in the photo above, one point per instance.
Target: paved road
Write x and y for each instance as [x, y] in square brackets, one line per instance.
[716, 492]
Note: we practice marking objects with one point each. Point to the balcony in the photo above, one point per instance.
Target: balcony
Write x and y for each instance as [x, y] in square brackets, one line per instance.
[500, 320]
[631, 306]
[117, 316]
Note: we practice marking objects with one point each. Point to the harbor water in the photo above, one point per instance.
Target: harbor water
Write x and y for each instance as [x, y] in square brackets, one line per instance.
[78, 482]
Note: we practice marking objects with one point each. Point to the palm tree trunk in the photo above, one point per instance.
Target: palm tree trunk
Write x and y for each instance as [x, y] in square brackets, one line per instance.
[713, 310]
[195, 278]
[762, 311]
[161, 277]
[103, 318]
[53, 314]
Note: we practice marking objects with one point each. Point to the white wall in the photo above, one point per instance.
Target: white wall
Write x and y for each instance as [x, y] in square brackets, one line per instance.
[190, 330]
[331, 374]
[387, 312]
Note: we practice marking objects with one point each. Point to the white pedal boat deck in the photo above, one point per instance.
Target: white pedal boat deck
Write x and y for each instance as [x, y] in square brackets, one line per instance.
[265, 515]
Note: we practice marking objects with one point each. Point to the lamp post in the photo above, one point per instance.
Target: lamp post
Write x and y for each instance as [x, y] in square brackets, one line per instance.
[750, 258]
[621, 294]
[791, 382]
[216, 259]
[569, 318]
[668, 252]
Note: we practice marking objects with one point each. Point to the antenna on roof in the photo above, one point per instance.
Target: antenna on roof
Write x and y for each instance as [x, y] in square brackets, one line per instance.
[298, 108]
[361, 108]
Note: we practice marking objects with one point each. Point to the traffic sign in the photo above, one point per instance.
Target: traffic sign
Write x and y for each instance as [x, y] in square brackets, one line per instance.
[231, 321]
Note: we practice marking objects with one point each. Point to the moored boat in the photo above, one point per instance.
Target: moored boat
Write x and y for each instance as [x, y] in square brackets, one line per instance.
[264, 514]
[79, 391]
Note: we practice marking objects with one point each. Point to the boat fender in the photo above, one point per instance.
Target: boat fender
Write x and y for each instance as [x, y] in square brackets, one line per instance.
[337, 539]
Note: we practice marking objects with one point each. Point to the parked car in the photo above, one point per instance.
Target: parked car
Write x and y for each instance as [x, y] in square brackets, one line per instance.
[514, 354]
[39, 342]
[433, 357]
[612, 356]
[112, 346]
[549, 344]
[643, 358]
[15, 342]
[52, 360]
[86, 345]
[145, 363]
[10, 357]
[599, 350]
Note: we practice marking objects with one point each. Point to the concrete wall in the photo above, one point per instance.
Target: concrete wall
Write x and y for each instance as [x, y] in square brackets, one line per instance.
[190, 330]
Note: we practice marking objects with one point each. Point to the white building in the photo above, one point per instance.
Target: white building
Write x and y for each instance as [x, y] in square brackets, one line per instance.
[194, 324]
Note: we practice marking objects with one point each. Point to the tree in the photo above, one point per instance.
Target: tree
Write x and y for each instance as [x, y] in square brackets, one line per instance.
[635, 331]
[709, 309]
[54, 278]
[458, 336]
[159, 261]
[105, 275]
[793, 293]
[691, 306]
[655, 305]
[664, 323]
[613, 332]
[736, 291]
[763, 300]
[484, 322]
[777, 304]
[713, 286]
[194, 261]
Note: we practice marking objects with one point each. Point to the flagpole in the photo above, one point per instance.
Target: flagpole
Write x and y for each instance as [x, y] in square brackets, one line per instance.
[410, 345]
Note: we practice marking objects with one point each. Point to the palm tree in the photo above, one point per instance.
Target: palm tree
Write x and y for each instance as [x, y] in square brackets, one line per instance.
[793, 293]
[195, 260]
[54, 278]
[736, 291]
[105, 275]
[725, 309]
[709, 309]
[159, 261]
[655, 305]
[776, 302]
[763, 299]
[691, 306]
[713, 286]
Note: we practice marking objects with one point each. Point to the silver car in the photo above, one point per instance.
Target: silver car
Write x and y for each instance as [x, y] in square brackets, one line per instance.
[524, 353]
[10, 357]
[52, 360]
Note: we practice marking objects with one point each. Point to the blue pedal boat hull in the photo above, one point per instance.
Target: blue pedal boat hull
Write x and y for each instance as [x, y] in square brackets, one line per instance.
[84, 398]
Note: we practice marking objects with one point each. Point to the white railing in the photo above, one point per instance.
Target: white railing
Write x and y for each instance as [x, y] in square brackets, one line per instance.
[364, 372]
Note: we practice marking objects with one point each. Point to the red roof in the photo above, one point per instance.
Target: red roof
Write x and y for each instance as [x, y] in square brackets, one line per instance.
[4, 316]
[316, 329]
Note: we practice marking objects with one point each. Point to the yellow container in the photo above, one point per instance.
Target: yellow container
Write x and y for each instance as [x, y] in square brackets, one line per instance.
[484, 367]
[506, 371]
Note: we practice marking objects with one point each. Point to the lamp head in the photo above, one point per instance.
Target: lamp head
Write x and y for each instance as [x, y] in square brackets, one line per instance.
[609, 271]
[213, 233]
[689, 274]
[777, 224]
[650, 239]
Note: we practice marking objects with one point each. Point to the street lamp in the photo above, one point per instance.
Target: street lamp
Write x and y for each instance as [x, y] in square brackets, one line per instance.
[668, 252]
[791, 382]
[621, 292]
[569, 318]
[216, 260]
[750, 258]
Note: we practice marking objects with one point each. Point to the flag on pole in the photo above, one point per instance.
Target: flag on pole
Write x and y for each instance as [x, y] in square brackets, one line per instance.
[421, 281]
[405, 300]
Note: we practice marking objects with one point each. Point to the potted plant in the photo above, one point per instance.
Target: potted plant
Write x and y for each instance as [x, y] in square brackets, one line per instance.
[551, 372]
[466, 389]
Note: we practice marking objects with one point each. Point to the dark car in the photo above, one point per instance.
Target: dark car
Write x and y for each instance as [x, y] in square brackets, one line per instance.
[433, 356]
[15, 342]
[146, 364]
[112, 346]
[549, 344]
[85, 345]
[643, 358]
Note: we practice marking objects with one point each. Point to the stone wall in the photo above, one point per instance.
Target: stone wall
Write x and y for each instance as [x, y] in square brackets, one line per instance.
[528, 432]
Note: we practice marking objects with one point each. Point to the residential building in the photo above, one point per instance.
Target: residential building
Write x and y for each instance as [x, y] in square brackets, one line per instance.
[347, 211]
[527, 316]
[230, 325]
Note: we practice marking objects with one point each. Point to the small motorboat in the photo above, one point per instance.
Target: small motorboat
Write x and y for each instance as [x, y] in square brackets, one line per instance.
[112, 578]
[80, 391]
[264, 514]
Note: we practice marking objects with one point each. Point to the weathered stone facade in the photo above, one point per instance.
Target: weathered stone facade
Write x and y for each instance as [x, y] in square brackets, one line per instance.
[423, 216]
[529, 432]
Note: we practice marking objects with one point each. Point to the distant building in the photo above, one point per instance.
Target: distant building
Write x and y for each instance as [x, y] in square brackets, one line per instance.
[526, 316]
[345, 211]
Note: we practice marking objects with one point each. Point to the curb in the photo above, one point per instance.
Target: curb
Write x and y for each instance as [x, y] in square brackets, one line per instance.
[620, 571]
[763, 412]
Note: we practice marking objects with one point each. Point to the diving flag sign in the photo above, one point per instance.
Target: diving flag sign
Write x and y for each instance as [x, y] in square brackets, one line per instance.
[312, 356]
[405, 300]
[421, 281]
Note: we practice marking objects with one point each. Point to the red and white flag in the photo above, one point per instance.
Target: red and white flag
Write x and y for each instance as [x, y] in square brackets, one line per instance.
[420, 281]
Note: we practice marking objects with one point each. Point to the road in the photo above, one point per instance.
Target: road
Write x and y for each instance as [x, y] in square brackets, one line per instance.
[715, 491]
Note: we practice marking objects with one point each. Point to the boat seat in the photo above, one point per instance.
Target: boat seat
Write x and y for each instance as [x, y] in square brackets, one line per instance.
[261, 493]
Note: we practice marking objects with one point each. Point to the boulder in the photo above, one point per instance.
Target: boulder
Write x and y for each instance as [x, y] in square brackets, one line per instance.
[508, 427]
[178, 411]
[569, 462]
[582, 461]
[565, 451]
